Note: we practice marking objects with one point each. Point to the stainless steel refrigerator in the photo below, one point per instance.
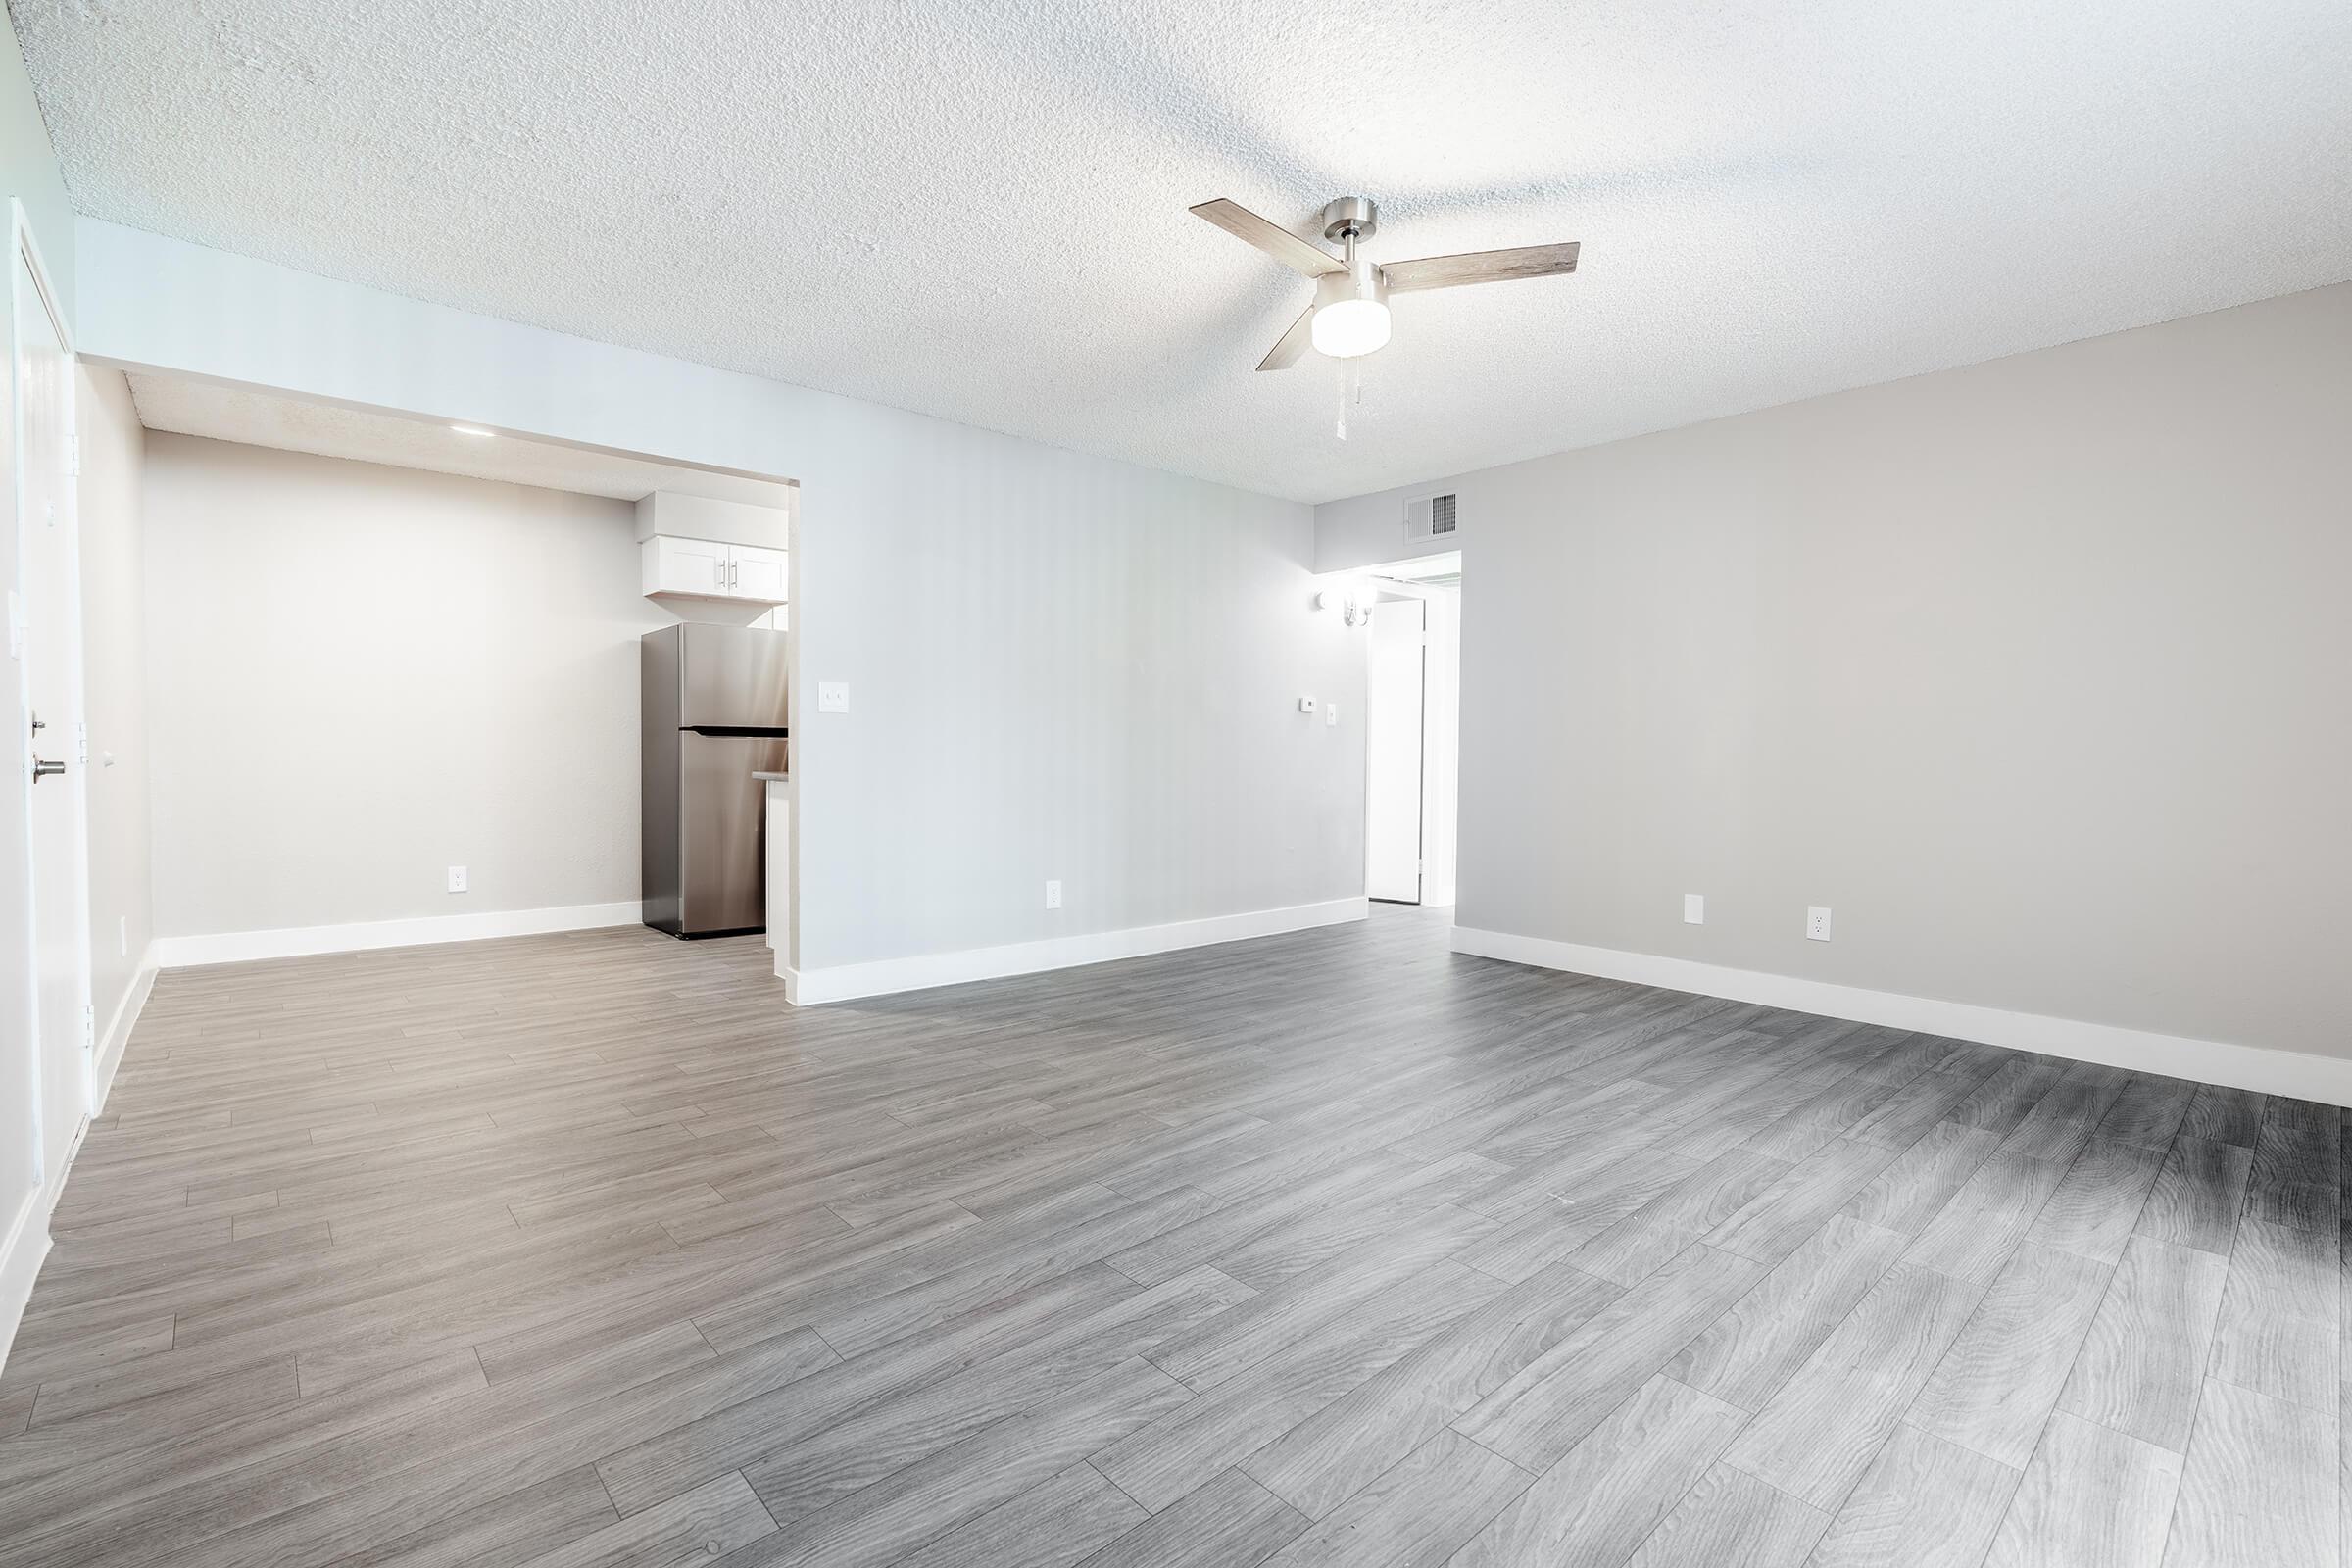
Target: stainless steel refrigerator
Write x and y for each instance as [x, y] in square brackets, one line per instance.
[716, 712]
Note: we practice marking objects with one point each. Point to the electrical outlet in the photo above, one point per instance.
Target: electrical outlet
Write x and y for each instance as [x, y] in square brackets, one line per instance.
[832, 696]
[1817, 923]
[1694, 908]
[457, 879]
[1053, 894]
[1331, 715]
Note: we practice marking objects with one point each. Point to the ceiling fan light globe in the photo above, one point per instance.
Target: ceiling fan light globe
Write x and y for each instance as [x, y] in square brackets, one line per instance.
[1347, 330]
[1351, 312]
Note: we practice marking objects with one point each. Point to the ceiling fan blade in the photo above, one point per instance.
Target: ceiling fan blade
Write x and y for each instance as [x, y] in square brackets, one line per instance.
[1287, 347]
[1276, 241]
[1481, 267]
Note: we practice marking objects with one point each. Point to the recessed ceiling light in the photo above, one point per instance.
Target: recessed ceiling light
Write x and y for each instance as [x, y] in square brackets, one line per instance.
[472, 429]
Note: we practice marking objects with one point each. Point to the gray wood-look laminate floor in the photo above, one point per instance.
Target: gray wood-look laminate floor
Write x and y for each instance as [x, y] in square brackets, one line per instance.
[1328, 1248]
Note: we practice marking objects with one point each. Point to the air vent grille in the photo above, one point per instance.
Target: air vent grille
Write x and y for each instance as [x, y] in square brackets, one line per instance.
[1431, 516]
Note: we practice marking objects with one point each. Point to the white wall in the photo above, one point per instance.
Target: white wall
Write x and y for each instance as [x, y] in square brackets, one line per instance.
[362, 676]
[2034, 672]
[1067, 668]
[1060, 665]
[113, 612]
[1370, 531]
[29, 170]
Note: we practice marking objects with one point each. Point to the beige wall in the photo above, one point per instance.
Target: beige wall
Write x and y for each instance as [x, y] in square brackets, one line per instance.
[362, 676]
[115, 686]
[2038, 673]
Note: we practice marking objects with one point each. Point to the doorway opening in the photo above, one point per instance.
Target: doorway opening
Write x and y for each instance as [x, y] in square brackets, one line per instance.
[1412, 731]
[466, 629]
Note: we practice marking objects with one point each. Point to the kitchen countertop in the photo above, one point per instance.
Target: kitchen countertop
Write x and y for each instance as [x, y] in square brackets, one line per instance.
[774, 778]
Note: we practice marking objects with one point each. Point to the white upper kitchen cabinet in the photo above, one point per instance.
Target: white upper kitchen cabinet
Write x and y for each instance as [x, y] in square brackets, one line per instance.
[685, 567]
[699, 568]
[757, 573]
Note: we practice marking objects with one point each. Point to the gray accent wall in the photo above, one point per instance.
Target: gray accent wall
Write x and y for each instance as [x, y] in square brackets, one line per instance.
[2038, 673]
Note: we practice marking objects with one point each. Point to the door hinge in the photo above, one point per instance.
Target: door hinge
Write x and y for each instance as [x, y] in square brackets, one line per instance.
[82, 743]
[73, 454]
[89, 1027]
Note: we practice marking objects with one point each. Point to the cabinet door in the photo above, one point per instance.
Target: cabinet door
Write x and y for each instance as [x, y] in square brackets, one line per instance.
[760, 573]
[690, 566]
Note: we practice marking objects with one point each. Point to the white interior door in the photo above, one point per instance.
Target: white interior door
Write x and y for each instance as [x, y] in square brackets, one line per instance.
[58, 809]
[1394, 703]
[20, 1080]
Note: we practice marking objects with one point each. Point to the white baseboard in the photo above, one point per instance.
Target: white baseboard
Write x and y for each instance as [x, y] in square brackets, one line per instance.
[21, 1250]
[29, 1241]
[237, 947]
[2325, 1079]
[27, 1244]
[845, 982]
[118, 1032]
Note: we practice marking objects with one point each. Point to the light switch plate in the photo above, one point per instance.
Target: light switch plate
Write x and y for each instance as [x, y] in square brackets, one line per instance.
[832, 696]
[1331, 715]
[1694, 908]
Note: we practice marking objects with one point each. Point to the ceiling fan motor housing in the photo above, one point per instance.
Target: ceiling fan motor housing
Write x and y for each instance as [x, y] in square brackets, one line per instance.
[1359, 216]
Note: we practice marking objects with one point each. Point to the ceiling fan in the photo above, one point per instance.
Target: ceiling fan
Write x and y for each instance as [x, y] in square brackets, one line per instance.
[1350, 316]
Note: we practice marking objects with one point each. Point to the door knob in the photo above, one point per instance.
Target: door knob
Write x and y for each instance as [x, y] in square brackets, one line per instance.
[42, 770]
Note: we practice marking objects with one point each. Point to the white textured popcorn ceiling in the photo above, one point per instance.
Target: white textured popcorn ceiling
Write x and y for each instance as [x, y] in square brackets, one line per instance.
[978, 209]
